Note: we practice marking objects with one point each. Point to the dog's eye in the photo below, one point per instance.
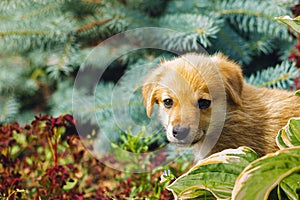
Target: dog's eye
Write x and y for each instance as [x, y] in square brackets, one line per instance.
[168, 103]
[203, 103]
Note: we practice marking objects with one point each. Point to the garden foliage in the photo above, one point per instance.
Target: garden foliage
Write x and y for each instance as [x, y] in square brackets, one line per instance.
[47, 160]
[43, 46]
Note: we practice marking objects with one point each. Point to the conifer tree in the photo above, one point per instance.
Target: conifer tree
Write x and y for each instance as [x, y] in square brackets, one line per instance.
[44, 42]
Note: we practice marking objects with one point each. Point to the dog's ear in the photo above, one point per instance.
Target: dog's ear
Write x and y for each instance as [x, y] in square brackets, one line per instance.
[233, 78]
[149, 88]
[148, 97]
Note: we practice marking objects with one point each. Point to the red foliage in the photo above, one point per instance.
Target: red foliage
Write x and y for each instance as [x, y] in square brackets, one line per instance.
[38, 161]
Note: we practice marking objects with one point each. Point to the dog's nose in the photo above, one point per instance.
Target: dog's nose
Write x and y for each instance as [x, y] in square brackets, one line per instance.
[180, 132]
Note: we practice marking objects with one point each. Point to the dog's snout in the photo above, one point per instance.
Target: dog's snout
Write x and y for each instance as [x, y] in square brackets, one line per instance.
[180, 132]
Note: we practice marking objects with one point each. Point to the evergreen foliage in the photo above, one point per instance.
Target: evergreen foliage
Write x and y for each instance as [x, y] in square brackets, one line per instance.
[44, 43]
[281, 76]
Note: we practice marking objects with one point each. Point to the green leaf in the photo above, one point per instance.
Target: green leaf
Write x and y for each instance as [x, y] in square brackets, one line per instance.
[260, 177]
[293, 23]
[297, 93]
[289, 136]
[215, 175]
[290, 184]
[281, 140]
[70, 184]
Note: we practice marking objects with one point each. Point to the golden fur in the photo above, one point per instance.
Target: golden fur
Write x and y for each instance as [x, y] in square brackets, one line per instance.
[243, 114]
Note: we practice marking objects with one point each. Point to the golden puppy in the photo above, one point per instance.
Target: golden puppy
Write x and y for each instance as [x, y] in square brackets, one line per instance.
[204, 102]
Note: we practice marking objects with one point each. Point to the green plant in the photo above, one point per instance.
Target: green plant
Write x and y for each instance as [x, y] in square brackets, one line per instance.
[214, 176]
[279, 171]
[137, 145]
[144, 159]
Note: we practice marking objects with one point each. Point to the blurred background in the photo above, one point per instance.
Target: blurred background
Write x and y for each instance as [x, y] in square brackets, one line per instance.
[44, 43]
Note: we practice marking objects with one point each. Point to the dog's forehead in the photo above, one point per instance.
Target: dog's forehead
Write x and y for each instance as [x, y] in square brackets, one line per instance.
[183, 80]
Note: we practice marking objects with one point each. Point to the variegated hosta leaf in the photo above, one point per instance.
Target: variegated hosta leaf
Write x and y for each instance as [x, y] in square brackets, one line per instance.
[290, 184]
[260, 177]
[213, 177]
[289, 136]
[294, 23]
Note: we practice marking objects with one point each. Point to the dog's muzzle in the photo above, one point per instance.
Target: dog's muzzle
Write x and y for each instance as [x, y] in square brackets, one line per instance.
[180, 132]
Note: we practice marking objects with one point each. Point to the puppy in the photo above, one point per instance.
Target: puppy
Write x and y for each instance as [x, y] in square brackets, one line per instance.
[204, 102]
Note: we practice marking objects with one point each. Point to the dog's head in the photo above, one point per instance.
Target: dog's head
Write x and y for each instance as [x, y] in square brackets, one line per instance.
[183, 89]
